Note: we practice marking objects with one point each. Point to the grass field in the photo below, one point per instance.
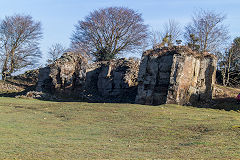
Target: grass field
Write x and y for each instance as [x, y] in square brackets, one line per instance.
[33, 129]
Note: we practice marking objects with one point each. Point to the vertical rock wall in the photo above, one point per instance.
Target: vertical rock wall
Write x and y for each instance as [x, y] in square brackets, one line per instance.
[112, 79]
[153, 78]
[65, 75]
[108, 81]
[176, 75]
[167, 75]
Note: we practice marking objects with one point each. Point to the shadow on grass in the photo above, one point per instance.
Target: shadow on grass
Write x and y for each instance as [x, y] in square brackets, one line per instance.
[73, 97]
[217, 103]
[226, 104]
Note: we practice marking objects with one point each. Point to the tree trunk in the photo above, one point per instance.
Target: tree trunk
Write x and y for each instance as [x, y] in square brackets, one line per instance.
[4, 69]
[223, 72]
[228, 68]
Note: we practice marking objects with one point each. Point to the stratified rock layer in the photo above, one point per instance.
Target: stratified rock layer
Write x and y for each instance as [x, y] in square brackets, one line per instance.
[175, 75]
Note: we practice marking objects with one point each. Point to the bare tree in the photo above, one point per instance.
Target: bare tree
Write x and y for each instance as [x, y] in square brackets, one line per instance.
[108, 32]
[236, 53]
[55, 51]
[82, 49]
[208, 29]
[233, 68]
[168, 36]
[171, 30]
[224, 60]
[155, 38]
[229, 64]
[19, 36]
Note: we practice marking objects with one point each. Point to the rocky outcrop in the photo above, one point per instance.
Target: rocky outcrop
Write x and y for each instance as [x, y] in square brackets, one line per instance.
[64, 76]
[8, 87]
[29, 77]
[114, 79]
[166, 75]
[108, 81]
[175, 75]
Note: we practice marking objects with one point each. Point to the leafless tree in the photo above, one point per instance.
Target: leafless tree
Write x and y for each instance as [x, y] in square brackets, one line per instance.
[208, 28]
[155, 38]
[19, 36]
[229, 64]
[168, 36]
[55, 51]
[224, 60]
[108, 32]
[82, 49]
[172, 30]
[236, 53]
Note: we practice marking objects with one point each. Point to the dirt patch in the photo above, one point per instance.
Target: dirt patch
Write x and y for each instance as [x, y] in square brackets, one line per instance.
[199, 129]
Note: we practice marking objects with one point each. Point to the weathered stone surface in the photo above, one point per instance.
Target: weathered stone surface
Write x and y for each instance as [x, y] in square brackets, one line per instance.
[175, 75]
[8, 87]
[44, 80]
[168, 75]
[64, 75]
[111, 79]
[29, 77]
[100, 81]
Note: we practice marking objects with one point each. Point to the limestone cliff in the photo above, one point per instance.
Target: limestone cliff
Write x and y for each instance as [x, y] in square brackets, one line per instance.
[113, 78]
[166, 75]
[175, 75]
[108, 81]
[65, 75]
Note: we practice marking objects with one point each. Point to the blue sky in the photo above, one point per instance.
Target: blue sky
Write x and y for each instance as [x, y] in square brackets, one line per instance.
[59, 16]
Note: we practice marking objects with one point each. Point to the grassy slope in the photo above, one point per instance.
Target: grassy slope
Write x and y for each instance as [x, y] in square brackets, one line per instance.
[32, 129]
[228, 91]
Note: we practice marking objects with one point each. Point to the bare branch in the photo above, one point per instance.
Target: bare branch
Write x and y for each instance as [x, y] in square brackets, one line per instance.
[108, 32]
[55, 51]
[207, 27]
[19, 36]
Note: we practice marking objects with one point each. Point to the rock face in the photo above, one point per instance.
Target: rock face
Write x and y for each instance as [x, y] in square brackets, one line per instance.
[176, 76]
[116, 78]
[166, 75]
[101, 81]
[30, 77]
[65, 75]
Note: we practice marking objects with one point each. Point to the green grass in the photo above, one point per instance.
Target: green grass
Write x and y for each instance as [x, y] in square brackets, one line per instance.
[33, 129]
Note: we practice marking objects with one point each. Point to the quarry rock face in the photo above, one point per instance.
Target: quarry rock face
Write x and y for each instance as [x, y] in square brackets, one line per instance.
[176, 76]
[114, 78]
[98, 82]
[64, 75]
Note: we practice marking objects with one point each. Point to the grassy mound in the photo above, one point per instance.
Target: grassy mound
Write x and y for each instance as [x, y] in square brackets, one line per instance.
[33, 129]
